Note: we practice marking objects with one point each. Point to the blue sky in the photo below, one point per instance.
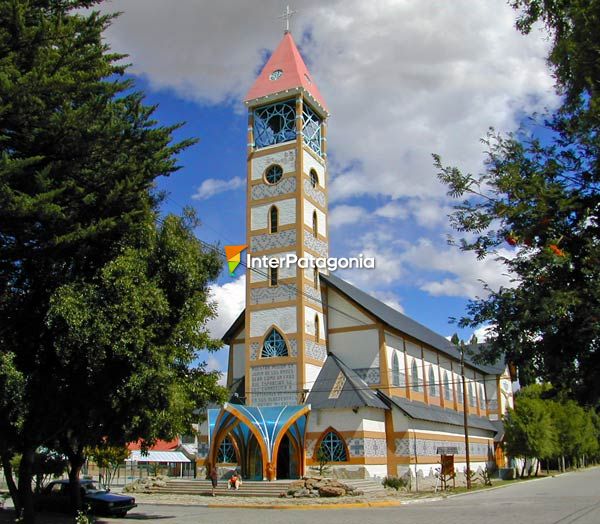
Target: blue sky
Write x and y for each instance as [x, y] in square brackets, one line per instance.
[403, 79]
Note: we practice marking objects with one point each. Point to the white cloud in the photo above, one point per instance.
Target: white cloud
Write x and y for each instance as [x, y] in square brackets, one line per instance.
[343, 215]
[213, 186]
[482, 333]
[390, 299]
[231, 300]
[393, 210]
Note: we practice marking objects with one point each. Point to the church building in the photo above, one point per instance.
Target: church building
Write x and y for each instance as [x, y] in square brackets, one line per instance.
[320, 371]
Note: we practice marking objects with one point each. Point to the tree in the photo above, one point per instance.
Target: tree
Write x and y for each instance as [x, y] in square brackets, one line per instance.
[108, 459]
[529, 431]
[539, 198]
[102, 308]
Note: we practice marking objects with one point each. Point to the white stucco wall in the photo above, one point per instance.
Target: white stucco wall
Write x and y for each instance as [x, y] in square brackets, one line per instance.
[239, 360]
[284, 318]
[346, 420]
[357, 349]
[261, 275]
[309, 322]
[321, 218]
[286, 159]
[342, 313]
[311, 163]
[259, 215]
[311, 372]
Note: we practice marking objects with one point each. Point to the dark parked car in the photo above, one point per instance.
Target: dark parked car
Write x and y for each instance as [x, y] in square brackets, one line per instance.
[55, 497]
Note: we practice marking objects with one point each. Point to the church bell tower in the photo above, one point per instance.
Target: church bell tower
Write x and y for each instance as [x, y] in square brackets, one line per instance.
[285, 319]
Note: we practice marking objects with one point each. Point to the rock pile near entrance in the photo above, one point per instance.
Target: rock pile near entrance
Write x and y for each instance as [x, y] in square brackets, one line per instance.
[145, 485]
[319, 487]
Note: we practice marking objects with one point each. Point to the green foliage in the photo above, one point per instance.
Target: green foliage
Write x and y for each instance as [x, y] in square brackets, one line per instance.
[323, 460]
[108, 459]
[535, 208]
[47, 465]
[103, 305]
[394, 482]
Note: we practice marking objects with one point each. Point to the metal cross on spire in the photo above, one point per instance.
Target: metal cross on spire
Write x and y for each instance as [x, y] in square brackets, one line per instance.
[287, 14]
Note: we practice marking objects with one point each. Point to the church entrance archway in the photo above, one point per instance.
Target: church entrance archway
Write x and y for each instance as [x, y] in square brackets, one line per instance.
[287, 459]
[254, 465]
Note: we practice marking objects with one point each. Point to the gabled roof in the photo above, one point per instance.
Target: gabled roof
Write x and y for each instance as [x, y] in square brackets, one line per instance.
[294, 75]
[431, 413]
[234, 328]
[407, 325]
[354, 391]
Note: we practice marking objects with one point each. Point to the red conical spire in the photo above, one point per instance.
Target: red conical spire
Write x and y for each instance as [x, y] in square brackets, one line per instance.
[285, 70]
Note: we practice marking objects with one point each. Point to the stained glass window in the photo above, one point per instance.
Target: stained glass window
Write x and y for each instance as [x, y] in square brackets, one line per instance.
[333, 448]
[273, 219]
[275, 123]
[433, 388]
[447, 390]
[472, 400]
[314, 178]
[226, 452]
[414, 376]
[395, 370]
[273, 174]
[311, 129]
[274, 345]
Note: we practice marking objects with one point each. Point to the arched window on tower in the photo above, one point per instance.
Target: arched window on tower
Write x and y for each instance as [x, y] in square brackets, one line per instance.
[395, 369]
[433, 387]
[317, 328]
[314, 178]
[273, 219]
[315, 224]
[447, 390]
[414, 376]
[316, 278]
[333, 447]
[273, 276]
[274, 345]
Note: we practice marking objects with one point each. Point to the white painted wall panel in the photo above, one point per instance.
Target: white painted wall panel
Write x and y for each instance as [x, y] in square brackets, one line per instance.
[259, 215]
[261, 275]
[342, 313]
[311, 163]
[239, 360]
[357, 349]
[309, 322]
[321, 218]
[311, 372]
[286, 159]
[284, 318]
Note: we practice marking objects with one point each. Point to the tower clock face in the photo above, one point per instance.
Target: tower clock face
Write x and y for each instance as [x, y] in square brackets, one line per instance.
[276, 75]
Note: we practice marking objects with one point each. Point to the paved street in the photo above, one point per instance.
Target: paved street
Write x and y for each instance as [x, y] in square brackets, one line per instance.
[567, 499]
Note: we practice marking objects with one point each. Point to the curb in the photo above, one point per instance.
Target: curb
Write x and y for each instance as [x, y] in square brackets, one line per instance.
[349, 505]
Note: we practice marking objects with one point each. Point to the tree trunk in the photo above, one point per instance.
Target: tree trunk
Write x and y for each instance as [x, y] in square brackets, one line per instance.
[25, 491]
[537, 467]
[76, 462]
[10, 481]
[523, 469]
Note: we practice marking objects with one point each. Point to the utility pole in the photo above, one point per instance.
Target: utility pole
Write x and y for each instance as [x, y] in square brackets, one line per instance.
[465, 416]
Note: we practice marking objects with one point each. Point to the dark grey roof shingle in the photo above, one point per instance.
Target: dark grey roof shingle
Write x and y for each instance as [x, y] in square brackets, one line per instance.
[355, 393]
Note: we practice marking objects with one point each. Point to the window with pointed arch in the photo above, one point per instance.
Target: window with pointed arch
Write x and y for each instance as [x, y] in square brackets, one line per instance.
[472, 399]
[274, 345]
[433, 387]
[395, 369]
[447, 390]
[317, 328]
[314, 178]
[316, 278]
[273, 219]
[315, 225]
[273, 276]
[414, 376]
[332, 447]
[226, 453]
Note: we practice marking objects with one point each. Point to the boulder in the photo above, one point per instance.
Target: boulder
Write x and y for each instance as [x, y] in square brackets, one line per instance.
[331, 491]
